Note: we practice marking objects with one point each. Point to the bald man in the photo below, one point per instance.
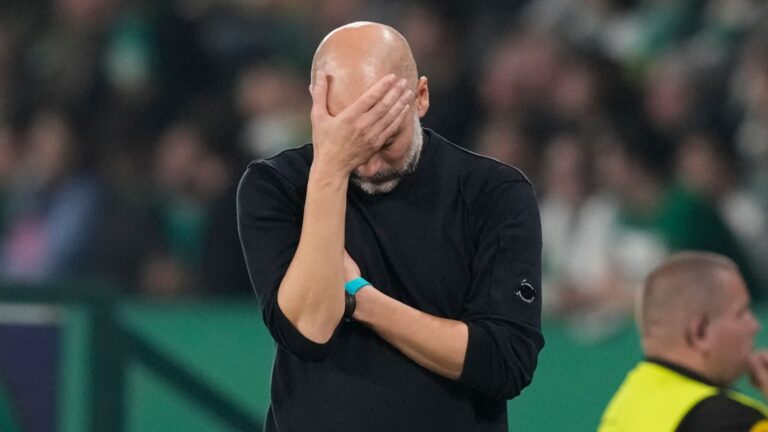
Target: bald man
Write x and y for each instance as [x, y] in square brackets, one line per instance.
[398, 273]
[698, 335]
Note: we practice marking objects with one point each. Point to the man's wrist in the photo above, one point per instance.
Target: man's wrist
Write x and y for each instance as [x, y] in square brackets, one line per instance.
[355, 285]
[365, 304]
[327, 180]
[326, 168]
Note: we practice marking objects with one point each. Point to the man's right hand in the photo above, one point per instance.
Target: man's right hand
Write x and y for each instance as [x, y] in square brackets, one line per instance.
[758, 371]
[345, 141]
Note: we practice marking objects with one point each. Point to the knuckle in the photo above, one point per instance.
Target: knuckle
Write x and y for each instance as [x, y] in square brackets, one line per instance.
[374, 97]
[359, 125]
[369, 138]
[347, 121]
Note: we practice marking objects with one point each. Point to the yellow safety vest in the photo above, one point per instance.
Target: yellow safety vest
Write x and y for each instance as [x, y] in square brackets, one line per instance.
[655, 398]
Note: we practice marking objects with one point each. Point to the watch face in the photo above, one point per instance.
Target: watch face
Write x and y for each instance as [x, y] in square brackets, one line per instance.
[526, 292]
[349, 306]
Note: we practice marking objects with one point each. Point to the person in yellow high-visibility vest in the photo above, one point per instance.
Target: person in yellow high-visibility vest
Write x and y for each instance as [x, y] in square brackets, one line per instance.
[697, 331]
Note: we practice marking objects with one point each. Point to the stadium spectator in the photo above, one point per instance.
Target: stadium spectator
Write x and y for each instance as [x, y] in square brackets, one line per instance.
[750, 85]
[589, 87]
[434, 38]
[576, 216]
[271, 100]
[188, 179]
[709, 165]
[53, 206]
[508, 142]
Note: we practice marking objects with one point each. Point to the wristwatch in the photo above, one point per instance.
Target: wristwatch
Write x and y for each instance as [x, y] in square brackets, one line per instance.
[349, 306]
[350, 289]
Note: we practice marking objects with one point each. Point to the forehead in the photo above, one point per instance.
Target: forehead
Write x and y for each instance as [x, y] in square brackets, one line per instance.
[734, 293]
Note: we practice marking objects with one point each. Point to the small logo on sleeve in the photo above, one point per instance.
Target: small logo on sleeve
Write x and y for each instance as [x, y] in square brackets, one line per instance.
[526, 292]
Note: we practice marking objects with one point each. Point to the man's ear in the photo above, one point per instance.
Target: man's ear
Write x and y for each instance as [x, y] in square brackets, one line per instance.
[696, 332]
[422, 96]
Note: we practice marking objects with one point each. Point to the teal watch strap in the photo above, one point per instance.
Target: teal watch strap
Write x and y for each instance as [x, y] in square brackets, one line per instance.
[353, 286]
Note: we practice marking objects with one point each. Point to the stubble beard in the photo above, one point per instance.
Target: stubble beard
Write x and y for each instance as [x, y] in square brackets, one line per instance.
[385, 181]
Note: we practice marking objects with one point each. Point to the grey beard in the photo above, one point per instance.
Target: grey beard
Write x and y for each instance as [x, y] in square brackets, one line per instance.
[386, 181]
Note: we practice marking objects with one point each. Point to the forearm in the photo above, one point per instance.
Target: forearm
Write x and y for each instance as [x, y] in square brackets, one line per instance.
[438, 344]
[311, 294]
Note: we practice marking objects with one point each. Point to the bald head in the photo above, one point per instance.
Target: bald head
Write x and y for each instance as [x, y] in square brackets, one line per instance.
[686, 285]
[356, 56]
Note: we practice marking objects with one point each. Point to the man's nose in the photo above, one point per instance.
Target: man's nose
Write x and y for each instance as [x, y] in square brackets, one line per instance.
[370, 168]
[754, 322]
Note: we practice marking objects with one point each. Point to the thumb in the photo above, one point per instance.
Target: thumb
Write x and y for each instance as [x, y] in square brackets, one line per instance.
[320, 96]
[758, 371]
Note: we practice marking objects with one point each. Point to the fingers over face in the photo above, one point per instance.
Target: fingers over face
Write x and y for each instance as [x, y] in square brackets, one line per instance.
[761, 359]
[391, 125]
[758, 365]
[375, 94]
[320, 95]
[383, 119]
[397, 92]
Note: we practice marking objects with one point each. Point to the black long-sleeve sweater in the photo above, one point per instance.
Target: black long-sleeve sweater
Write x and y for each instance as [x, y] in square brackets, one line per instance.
[459, 238]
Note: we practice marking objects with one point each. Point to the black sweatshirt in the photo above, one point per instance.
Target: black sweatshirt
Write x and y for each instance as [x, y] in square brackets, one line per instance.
[459, 238]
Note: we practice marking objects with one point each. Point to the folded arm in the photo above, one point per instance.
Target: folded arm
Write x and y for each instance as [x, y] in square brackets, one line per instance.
[493, 346]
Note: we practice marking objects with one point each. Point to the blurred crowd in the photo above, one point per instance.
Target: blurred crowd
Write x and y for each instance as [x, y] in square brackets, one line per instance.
[125, 125]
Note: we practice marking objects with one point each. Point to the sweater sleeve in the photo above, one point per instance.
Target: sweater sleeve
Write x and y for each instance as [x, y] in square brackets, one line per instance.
[269, 215]
[503, 309]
